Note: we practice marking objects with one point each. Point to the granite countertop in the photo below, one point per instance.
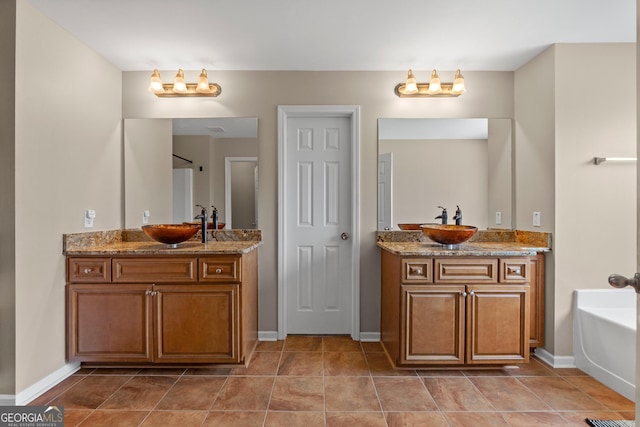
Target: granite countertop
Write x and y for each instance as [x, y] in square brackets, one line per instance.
[485, 243]
[135, 242]
[465, 249]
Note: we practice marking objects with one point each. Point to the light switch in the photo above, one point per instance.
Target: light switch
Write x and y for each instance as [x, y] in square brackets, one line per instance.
[89, 216]
[498, 218]
[536, 219]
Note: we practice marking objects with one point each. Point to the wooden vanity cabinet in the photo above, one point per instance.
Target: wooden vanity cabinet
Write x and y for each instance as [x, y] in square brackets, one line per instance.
[162, 310]
[455, 311]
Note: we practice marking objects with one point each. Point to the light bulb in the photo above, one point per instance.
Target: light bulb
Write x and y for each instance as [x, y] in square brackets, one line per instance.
[410, 87]
[155, 83]
[434, 83]
[458, 83]
[203, 83]
[179, 86]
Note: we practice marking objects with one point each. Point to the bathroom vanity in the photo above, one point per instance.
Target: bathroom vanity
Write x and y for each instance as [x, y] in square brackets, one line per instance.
[481, 303]
[141, 303]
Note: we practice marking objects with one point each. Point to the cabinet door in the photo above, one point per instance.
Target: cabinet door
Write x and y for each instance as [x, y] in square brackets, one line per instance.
[432, 324]
[197, 324]
[107, 323]
[497, 323]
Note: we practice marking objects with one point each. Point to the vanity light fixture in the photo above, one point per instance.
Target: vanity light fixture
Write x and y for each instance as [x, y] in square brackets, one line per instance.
[180, 88]
[435, 88]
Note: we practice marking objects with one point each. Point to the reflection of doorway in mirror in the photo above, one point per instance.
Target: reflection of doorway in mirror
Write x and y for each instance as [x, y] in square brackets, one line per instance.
[385, 191]
[241, 194]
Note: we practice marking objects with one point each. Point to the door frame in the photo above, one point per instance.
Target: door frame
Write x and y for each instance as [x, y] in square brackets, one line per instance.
[353, 113]
[227, 188]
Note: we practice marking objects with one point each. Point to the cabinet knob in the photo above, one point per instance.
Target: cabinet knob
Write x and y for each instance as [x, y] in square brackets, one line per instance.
[147, 292]
[88, 270]
[515, 270]
[218, 270]
[464, 294]
[471, 293]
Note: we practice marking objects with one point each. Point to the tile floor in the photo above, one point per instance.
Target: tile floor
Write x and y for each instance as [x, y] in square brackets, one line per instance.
[333, 381]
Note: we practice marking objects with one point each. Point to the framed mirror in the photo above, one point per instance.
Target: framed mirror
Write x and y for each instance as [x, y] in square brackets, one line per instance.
[427, 163]
[172, 165]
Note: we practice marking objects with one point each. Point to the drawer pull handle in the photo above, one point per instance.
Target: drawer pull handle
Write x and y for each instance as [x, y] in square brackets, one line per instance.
[218, 270]
[515, 270]
[88, 270]
[416, 270]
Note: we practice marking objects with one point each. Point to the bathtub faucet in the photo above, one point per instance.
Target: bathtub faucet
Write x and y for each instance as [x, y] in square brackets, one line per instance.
[618, 281]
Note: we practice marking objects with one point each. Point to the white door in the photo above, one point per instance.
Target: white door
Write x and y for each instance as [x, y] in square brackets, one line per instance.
[385, 191]
[319, 263]
[182, 195]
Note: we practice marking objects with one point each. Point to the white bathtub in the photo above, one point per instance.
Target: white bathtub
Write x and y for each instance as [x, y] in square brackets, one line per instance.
[604, 337]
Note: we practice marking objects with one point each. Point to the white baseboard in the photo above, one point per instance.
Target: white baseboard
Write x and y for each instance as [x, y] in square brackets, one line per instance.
[370, 336]
[35, 390]
[7, 400]
[267, 335]
[555, 361]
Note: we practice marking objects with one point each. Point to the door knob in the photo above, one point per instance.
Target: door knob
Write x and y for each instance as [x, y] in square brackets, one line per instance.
[618, 281]
[344, 236]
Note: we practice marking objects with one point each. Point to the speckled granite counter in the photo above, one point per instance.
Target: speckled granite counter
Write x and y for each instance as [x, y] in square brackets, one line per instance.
[484, 243]
[135, 242]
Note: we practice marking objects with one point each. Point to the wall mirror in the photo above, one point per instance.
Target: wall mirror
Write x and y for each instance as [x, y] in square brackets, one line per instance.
[172, 165]
[426, 163]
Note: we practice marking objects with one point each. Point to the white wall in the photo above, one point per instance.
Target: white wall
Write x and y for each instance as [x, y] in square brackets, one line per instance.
[562, 121]
[258, 93]
[501, 173]
[195, 148]
[68, 158]
[595, 220]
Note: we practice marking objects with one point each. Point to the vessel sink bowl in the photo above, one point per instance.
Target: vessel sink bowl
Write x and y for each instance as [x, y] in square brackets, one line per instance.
[409, 226]
[170, 234]
[449, 234]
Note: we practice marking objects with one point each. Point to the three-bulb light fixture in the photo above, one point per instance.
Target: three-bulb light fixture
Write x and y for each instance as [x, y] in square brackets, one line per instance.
[180, 88]
[412, 89]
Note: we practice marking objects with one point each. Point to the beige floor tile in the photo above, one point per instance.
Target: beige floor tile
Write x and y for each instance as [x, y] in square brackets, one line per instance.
[294, 419]
[263, 363]
[235, 419]
[539, 419]
[140, 393]
[340, 343]
[602, 393]
[508, 394]
[297, 394]
[534, 368]
[371, 347]
[175, 418]
[301, 363]
[350, 394]
[270, 345]
[403, 394]
[475, 419]
[412, 419]
[379, 366]
[73, 418]
[559, 394]
[355, 419]
[456, 394]
[244, 394]
[345, 364]
[192, 393]
[110, 418]
[90, 393]
[303, 343]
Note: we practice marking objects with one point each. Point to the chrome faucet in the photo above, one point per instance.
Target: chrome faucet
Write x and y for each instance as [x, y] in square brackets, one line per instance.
[203, 220]
[443, 215]
[458, 216]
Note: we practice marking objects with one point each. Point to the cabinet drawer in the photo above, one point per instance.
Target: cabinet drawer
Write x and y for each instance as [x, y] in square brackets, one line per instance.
[88, 270]
[466, 270]
[515, 270]
[220, 269]
[417, 270]
[154, 270]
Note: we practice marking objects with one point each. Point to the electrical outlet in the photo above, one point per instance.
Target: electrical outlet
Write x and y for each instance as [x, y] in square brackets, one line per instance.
[536, 219]
[89, 216]
[498, 218]
[145, 216]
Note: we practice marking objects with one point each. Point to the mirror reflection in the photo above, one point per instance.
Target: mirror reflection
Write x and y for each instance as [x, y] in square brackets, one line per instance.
[172, 165]
[427, 163]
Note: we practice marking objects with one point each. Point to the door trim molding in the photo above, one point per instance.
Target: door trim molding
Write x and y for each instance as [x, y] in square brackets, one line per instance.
[353, 113]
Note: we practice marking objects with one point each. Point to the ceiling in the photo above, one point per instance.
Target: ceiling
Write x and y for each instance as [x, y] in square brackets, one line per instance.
[499, 35]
